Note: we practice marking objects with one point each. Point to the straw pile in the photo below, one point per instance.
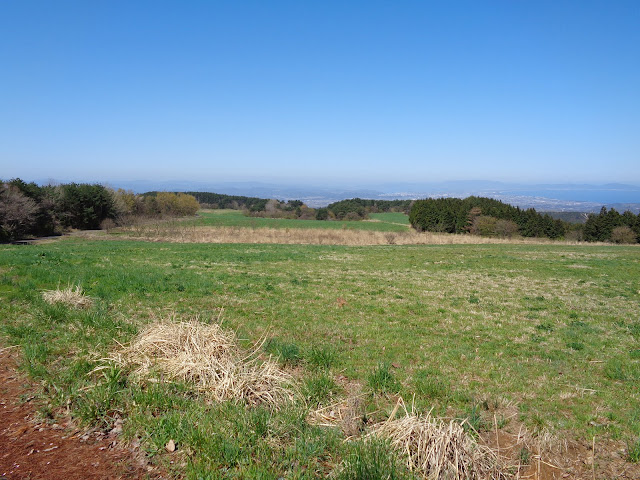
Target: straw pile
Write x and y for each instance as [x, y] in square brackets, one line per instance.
[436, 449]
[209, 358]
[70, 296]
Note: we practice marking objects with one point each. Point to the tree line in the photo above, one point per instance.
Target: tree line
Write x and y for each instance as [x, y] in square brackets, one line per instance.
[28, 209]
[359, 209]
[612, 226]
[233, 202]
[490, 217]
[482, 216]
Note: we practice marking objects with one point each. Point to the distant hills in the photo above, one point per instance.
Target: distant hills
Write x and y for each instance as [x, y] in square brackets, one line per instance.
[542, 197]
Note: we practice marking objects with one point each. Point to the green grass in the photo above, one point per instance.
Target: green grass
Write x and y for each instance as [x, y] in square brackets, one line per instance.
[373, 460]
[390, 217]
[384, 222]
[551, 328]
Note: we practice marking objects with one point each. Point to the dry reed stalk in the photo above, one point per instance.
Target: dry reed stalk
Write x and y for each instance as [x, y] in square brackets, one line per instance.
[70, 296]
[208, 357]
[437, 449]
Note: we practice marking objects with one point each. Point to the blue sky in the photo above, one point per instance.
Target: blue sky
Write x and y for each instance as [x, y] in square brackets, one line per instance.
[320, 91]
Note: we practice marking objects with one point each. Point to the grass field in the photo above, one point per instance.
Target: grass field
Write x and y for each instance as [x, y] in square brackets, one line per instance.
[548, 332]
[231, 226]
[384, 222]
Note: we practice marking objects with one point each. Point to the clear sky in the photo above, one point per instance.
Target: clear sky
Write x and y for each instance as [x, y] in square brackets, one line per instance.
[320, 91]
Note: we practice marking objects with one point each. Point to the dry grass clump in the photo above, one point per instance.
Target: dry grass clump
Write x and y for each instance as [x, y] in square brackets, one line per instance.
[434, 448]
[346, 414]
[208, 357]
[70, 296]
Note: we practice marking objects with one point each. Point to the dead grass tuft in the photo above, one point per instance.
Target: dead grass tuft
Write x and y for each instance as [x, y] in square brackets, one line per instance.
[70, 296]
[208, 357]
[434, 448]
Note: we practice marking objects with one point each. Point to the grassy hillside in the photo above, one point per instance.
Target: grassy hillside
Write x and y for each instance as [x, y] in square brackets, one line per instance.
[548, 332]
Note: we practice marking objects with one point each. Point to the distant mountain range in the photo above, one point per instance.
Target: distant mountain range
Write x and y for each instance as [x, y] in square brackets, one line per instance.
[542, 197]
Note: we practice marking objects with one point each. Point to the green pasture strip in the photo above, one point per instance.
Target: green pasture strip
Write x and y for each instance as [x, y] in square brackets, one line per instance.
[391, 217]
[553, 329]
[235, 218]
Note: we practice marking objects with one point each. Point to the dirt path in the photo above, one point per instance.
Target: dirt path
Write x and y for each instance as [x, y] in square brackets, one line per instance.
[31, 449]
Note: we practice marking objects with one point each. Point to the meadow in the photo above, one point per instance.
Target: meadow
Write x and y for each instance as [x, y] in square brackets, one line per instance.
[232, 226]
[386, 222]
[539, 339]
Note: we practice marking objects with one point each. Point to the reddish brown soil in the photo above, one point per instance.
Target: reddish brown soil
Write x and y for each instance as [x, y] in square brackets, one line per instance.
[32, 449]
[571, 460]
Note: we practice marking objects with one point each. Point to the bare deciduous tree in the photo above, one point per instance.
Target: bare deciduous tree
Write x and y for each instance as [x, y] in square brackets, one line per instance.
[17, 212]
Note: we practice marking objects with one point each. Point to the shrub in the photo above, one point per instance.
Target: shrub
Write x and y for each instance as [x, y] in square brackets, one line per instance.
[17, 213]
[506, 228]
[322, 214]
[484, 226]
[623, 234]
[108, 224]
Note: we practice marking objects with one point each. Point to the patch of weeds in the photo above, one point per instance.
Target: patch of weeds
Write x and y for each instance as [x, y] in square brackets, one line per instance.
[321, 356]
[573, 315]
[382, 379]
[56, 312]
[634, 329]
[428, 384]
[473, 299]
[319, 389]
[313, 450]
[575, 346]
[616, 369]
[545, 327]
[372, 460]
[287, 353]
[633, 451]
[258, 420]
[474, 421]
[635, 353]
[524, 456]
[536, 422]
[577, 324]
[501, 421]
[100, 404]
[291, 422]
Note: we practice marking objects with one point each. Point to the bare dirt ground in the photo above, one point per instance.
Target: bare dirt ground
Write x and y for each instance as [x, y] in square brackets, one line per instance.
[552, 459]
[33, 449]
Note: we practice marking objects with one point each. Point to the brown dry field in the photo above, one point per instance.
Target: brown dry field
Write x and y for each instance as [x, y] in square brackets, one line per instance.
[161, 232]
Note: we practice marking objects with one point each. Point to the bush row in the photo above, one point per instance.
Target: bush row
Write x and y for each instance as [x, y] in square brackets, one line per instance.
[27, 209]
